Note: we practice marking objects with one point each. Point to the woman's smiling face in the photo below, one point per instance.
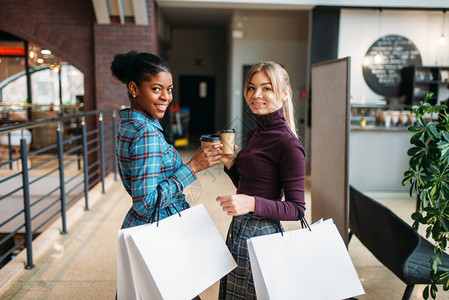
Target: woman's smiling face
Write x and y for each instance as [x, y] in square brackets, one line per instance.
[153, 96]
[260, 95]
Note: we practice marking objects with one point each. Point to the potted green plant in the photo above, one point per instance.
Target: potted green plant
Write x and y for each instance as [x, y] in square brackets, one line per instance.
[428, 176]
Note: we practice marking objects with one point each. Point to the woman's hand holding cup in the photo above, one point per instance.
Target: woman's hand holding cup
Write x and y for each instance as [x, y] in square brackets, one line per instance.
[228, 140]
[206, 156]
[228, 159]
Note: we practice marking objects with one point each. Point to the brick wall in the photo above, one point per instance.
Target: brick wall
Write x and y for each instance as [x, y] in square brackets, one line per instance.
[113, 39]
[69, 30]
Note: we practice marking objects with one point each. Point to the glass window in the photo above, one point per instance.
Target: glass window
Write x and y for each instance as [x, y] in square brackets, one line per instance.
[45, 80]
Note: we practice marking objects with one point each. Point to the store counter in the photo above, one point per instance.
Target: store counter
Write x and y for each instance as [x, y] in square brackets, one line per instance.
[378, 158]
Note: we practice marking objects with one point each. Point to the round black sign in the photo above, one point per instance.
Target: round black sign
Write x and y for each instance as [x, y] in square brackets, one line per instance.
[384, 61]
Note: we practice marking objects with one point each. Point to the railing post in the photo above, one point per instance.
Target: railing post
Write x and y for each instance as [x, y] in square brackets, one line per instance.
[78, 153]
[114, 139]
[85, 163]
[102, 160]
[8, 118]
[26, 203]
[61, 175]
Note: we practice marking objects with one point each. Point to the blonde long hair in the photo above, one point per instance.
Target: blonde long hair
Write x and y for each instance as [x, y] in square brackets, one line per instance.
[280, 80]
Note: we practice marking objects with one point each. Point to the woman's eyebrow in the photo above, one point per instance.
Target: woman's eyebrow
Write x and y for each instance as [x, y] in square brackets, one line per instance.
[265, 83]
[161, 85]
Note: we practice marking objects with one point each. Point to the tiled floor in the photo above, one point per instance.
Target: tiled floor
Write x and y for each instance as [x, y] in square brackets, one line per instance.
[82, 264]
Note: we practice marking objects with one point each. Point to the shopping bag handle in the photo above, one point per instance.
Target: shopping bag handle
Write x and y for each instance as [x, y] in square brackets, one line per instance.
[155, 214]
[174, 207]
[157, 208]
[302, 217]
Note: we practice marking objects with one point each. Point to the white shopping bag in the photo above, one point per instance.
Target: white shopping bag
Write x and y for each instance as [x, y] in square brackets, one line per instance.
[126, 287]
[303, 264]
[178, 259]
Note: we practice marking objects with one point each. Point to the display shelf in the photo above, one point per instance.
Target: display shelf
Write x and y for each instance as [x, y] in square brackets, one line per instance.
[418, 81]
[373, 116]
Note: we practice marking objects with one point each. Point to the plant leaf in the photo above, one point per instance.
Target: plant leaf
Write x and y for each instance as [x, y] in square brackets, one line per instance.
[437, 108]
[415, 139]
[445, 135]
[445, 224]
[414, 128]
[425, 293]
[444, 147]
[433, 291]
[412, 151]
[428, 97]
[406, 180]
[433, 130]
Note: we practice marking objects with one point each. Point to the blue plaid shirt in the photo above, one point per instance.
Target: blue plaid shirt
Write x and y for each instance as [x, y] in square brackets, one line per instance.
[147, 162]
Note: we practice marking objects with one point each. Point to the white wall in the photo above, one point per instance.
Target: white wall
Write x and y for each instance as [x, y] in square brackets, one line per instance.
[280, 36]
[359, 29]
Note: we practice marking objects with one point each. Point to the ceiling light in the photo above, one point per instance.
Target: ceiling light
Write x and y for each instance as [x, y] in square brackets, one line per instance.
[443, 39]
[380, 23]
[45, 51]
[378, 58]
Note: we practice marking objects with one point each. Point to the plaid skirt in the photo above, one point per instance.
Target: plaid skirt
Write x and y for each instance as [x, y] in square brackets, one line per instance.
[238, 284]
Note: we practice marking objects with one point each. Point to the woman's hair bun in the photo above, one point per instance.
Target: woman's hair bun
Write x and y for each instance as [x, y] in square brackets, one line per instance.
[120, 65]
[137, 67]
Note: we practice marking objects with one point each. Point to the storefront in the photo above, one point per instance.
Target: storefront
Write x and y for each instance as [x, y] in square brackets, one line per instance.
[397, 57]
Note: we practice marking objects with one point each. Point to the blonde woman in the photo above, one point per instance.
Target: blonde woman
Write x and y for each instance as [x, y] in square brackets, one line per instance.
[270, 166]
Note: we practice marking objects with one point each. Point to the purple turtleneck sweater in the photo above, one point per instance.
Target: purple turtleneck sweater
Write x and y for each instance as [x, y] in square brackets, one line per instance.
[271, 164]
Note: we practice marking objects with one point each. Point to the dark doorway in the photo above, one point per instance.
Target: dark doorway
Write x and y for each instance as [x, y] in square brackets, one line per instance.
[198, 94]
[247, 115]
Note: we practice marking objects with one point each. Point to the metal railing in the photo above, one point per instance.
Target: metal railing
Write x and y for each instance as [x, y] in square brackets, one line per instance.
[48, 180]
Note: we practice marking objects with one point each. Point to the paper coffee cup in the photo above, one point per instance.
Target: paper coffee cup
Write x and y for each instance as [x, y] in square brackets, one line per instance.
[387, 120]
[228, 140]
[209, 139]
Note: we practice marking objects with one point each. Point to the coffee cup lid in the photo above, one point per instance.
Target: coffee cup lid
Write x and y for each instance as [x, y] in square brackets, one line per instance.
[210, 138]
[226, 131]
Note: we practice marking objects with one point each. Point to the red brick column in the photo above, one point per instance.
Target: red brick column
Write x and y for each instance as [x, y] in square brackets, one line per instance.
[114, 39]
